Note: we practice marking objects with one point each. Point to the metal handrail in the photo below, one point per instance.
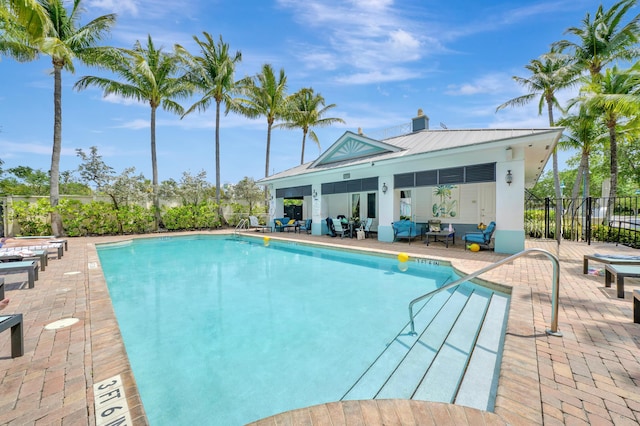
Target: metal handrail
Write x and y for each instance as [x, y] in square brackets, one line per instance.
[553, 330]
[243, 224]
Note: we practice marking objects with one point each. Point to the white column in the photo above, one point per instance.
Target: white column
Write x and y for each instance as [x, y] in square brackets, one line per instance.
[386, 205]
[509, 234]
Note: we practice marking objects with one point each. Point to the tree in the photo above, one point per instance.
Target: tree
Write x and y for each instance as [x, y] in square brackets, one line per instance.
[603, 39]
[21, 23]
[150, 75]
[613, 97]
[35, 181]
[212, 74]
[583, 133]
[47, 28]
[94, 170]
[265, 96]
[306, 110]
[549, 74]
[246, 190]
[192, 190]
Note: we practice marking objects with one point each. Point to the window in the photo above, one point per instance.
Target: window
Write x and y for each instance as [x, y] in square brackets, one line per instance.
[355, 206]
[405, 204]
[371, 205]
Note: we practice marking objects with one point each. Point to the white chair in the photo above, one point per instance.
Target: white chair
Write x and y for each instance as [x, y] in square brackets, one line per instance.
[337, 224]
[253, 222]
[367, 227]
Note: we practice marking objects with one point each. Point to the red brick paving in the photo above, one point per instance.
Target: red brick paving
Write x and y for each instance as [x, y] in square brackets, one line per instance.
[590, 375]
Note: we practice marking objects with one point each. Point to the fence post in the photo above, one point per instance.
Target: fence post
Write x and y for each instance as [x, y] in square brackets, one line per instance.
[547, 205]
[587, 225]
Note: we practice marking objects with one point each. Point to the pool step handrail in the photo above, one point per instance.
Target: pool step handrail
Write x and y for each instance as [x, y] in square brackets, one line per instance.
[243, 224]
[552, 330]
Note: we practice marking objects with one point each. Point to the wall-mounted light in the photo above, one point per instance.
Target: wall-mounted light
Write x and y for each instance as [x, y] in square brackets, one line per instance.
[384, 188]
[315, 194]
[509, 177]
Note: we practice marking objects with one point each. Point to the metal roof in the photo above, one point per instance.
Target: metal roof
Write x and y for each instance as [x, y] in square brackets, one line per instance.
[431, 141]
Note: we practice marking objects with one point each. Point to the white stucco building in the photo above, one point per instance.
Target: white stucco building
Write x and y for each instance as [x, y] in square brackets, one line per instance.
[457, 176]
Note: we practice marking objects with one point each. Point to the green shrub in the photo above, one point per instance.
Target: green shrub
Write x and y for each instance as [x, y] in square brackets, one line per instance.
[33, 218]
[191, 217]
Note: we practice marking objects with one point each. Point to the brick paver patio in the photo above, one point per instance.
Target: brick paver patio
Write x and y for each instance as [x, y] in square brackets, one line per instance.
[590, 375]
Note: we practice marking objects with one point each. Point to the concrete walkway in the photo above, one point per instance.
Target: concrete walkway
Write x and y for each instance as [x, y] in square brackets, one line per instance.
[590, 375]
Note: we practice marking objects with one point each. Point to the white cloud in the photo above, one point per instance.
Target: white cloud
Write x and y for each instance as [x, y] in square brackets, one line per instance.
[115, 6]
[117, 99]
[378, 76]
[368, 37]
[12, 149]
[495, 83]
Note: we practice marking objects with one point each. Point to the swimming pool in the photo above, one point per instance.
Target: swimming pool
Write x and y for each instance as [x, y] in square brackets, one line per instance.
[225, 331]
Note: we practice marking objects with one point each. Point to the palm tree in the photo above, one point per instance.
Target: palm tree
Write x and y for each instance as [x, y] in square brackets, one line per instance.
[149, 76]
[583, 133]
[603, 39]
[265, 95]
[306, 110]
[550, 73]
[614, 97]
[21, 22]
[52, 30]
[212, 74]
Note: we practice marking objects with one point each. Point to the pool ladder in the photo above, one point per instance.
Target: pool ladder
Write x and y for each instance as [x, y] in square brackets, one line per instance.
[552, 330]
[243, 224]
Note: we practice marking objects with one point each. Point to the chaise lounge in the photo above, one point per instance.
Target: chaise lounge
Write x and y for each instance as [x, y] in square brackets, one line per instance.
[254, 224]
[28, 266]
[13, 322]
[609, 259]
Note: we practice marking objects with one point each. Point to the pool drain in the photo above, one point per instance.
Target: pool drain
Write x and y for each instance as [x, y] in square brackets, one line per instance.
[65, 322]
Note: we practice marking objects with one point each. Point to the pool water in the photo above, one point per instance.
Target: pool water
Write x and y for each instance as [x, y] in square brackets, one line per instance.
[227, 331]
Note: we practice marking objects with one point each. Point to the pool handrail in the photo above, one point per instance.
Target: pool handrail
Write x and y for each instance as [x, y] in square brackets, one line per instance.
[243, 224]
[553, 330]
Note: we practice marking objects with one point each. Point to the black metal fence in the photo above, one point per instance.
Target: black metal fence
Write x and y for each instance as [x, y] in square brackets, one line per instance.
[585, 219]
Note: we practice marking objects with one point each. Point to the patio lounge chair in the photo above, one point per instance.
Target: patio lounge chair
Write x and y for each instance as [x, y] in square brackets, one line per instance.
[28, 266]
[339, 228]
[253, 223]
[13, 322]
[367, 227]
[306, 227]
[22, 255]
[405, 229]
[619, 273]
[483, 239]
[281, 224]
[609, 259]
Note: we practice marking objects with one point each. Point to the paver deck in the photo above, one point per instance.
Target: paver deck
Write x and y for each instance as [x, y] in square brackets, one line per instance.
[590, 375]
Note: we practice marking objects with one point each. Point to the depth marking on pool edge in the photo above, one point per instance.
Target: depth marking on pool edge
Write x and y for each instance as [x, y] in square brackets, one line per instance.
[111, 402]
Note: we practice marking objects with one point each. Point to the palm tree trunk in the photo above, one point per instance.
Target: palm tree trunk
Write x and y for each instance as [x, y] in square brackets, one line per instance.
[556, 178]
[266, 167]
[54, 179]
[220, 213]
[154, 168]
[613, 161]
[304, 138]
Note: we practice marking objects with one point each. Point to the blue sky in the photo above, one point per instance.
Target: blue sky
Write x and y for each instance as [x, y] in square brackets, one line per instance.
[377, 60]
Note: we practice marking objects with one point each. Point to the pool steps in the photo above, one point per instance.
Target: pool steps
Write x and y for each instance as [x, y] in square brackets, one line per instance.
[444, 362]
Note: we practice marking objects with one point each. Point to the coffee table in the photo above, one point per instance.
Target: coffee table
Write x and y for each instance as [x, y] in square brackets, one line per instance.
[448, 236]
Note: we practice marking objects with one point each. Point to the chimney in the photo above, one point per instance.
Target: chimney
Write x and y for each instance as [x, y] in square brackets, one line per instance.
[421, 122]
